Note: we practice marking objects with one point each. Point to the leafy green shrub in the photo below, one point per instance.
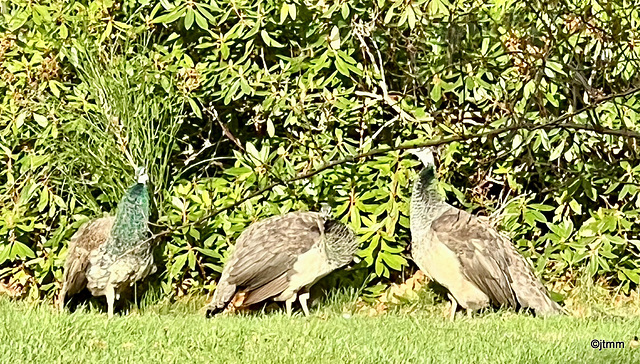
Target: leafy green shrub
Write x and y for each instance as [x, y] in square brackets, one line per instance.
[227, 99]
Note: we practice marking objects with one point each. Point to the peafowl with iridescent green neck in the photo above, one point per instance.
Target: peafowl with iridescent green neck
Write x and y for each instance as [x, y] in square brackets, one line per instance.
[109, 254]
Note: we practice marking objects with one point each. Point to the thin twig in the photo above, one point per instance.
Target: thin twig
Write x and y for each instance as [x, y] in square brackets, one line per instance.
[430, 143]
[225, 130]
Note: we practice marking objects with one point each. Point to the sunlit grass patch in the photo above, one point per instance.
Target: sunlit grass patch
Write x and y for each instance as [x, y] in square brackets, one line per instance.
[179, 333]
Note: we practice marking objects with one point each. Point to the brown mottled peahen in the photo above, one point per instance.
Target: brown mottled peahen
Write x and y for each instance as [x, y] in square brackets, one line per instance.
[474, 262]
[108, 254]
[280, 257]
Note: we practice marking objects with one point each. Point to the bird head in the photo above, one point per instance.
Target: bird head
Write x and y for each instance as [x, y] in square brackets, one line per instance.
[325, 211]
[141, 175]
[425, 154]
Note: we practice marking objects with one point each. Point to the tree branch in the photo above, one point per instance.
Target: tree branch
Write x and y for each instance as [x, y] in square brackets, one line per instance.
[555, 124]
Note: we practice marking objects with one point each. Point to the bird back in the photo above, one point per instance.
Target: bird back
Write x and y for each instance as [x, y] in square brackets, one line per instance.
[87, 239]
[265, 254]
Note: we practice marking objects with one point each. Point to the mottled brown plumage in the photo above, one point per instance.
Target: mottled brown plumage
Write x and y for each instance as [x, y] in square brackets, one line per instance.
[108, 255]
[473, 261]
[88, 238]
[282, 256]
[483, 253]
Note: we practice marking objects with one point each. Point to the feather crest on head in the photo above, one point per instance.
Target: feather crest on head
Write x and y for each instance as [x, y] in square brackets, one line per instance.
[141, 175]
[425, 154]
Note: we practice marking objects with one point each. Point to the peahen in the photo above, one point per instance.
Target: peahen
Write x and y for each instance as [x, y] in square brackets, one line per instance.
[108, 254]
[476, 264]
[281, 257]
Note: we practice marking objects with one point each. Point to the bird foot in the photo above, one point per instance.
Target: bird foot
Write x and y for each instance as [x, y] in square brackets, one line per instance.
[452, 308]
[303, 298]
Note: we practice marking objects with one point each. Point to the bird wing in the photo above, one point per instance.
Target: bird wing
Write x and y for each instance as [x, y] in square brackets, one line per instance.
[528, 289]
[269, 248]
[270, 289]
[87, 239]
[480, 250]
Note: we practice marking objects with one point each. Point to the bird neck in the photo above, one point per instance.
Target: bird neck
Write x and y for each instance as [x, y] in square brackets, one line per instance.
[426, 201]
[340, 243]
[130, 227]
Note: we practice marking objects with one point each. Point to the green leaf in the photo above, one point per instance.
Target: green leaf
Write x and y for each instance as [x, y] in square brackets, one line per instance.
[63, 31]
[292, 11]
[21, 251]
[200, 20]
[344, 10]
[41, 120]
[54, 88]
[268, 40]
[191, 258]
[341, 66]
[541, 207]
[436, 92]
[224, 50]
[633, 275]
[389, 15]
[19, 120]
[177, 265]
[195, 107]
[284, 11]
[588, 189]
[411, 17]
[194, 233]
[271, 129]
[380, 269]
[107, 32]
[188, 19]
[252, 150]
[44, 200]
[171, 16]
[394, 261]
[209, 252]
[231, 93]
[202, 9]
[334, 38]
[177, 202]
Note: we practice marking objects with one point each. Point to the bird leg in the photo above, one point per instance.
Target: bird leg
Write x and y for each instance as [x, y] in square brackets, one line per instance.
[453, 307]
[110, 294]
[303, 298]
[61, 298]
[288, 303]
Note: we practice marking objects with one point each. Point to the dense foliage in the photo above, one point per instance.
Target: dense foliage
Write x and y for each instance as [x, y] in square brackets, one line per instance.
[221, 99]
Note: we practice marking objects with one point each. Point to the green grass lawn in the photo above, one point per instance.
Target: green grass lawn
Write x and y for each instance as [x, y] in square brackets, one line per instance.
[179, 333]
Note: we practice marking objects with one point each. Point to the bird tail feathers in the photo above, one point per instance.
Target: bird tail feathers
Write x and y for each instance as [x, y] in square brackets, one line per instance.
[548, 307]
[221, 297]
[61, 297]
[536, 297]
